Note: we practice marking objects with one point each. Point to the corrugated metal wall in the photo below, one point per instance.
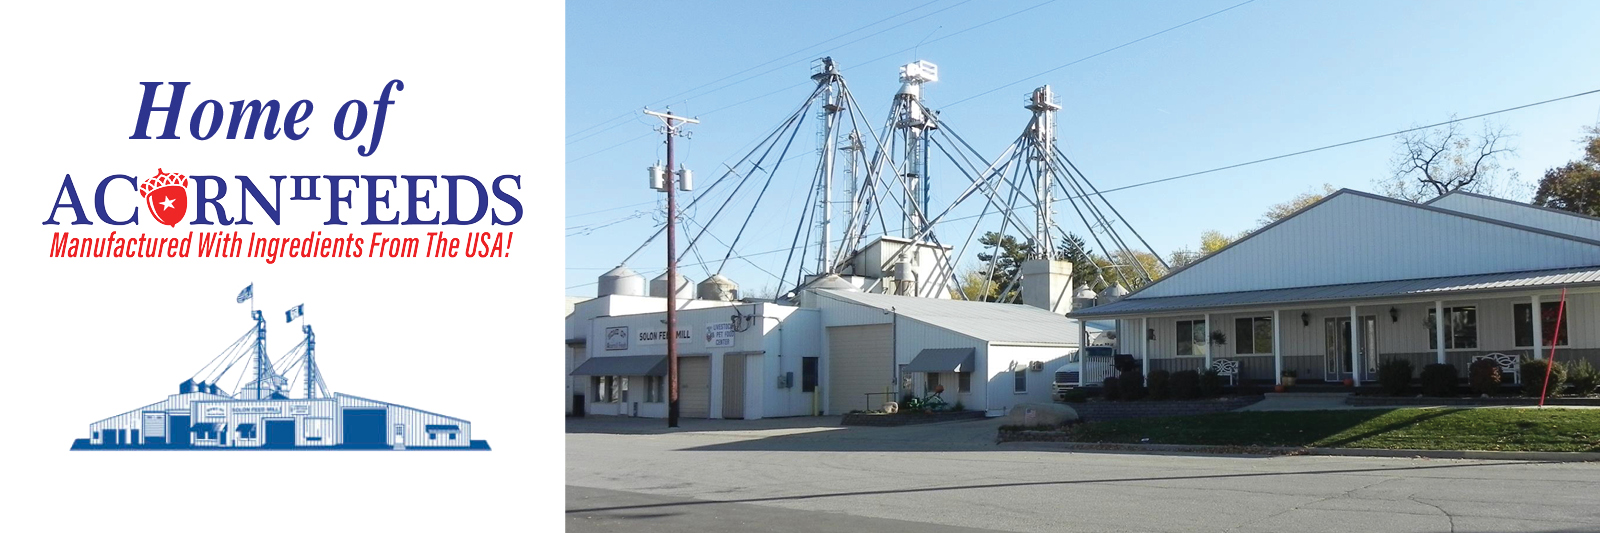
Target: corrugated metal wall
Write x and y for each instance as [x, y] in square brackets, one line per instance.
[1352, 238]
[1527, 215]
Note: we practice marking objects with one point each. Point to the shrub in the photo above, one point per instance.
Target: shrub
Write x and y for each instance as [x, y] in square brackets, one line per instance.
[1112, 389]
[1185, 384]
[1394, 376]
[1078, 395]
[1533, 377]
[1484, 376]
[1582, 375]
[1211, 384]
[958, 407]
[1159, 384]
[1131, 383]
[1439, 380]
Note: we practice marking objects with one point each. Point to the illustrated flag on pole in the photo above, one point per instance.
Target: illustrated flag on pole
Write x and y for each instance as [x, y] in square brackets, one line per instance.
[245, 294]
[288, 316]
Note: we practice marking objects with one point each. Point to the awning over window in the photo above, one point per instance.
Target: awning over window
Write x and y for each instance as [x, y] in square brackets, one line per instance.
[433, 428]
[626, 365]
[246, 427]
[203, 427]
[942, 360]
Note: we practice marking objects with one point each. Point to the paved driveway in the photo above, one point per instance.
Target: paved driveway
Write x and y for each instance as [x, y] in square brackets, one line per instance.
[952, 474]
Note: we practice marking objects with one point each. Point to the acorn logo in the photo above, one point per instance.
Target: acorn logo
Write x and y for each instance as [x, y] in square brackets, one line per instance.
[166, 197]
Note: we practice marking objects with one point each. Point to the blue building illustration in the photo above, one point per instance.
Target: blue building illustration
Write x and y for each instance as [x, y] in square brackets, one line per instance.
[275, 404]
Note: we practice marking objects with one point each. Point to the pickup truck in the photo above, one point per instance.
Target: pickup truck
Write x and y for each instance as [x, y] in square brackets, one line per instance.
[1097, 359]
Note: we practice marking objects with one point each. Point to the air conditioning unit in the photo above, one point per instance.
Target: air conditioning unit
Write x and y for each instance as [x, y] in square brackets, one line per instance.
[786, 380]
[1036, 366]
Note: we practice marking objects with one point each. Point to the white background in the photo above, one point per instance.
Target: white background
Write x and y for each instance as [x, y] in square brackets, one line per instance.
[85, 339]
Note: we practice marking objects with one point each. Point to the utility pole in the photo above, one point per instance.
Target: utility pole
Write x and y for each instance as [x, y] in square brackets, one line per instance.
[665, 181]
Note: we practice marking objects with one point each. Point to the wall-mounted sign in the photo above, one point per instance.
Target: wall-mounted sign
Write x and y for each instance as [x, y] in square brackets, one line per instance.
[617, 338]
[660, 336]
[299, 409]
[719, 335]
[216, 412]
[258, 410]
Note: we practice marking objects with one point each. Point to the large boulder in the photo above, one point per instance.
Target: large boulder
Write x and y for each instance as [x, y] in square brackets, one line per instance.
[1041, 414]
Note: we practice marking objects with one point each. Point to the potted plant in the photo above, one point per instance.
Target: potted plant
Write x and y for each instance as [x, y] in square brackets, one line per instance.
[1289, 378]
[1349, 382]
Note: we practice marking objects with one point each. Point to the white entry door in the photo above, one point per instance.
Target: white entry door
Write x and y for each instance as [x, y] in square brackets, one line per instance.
[1336, 361]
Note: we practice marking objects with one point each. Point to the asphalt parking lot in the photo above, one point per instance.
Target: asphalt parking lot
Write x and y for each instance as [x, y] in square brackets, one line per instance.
[809, 474]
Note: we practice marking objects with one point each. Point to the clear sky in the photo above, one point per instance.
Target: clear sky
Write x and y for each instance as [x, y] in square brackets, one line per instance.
[1266, 78]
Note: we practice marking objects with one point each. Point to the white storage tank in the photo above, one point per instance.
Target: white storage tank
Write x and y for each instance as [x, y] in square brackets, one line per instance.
[684, 289]
[621, 281]
[718, 288]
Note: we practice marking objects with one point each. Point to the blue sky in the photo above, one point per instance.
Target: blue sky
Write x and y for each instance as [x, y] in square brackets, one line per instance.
[1263, 79]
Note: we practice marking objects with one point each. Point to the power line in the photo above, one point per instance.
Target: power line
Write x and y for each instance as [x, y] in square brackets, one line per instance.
[1247, 163]
[1100, 53]
[1347, 143]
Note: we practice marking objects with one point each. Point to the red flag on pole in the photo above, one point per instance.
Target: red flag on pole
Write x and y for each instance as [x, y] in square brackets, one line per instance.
[1551, 361]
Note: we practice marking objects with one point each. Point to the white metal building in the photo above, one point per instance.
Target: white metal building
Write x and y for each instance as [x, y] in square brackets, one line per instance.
[203, 420]
[1284, 297]
[745, 361]
[988, 356]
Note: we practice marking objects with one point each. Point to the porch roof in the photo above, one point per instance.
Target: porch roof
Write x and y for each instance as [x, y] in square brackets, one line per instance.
[1350, 291]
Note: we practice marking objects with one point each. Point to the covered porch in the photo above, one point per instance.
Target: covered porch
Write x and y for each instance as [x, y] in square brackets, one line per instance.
[1308, 331]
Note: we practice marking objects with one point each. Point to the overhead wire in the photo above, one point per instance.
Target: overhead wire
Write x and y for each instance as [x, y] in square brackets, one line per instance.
[1100, 53]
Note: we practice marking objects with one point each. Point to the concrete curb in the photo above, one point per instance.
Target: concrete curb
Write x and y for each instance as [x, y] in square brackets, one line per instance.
[1343, 452]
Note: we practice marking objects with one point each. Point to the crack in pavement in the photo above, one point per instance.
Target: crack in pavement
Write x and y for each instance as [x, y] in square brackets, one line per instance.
[1447, 515]
[1345, 494]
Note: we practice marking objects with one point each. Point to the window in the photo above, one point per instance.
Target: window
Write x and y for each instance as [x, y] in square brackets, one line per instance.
[1461, 328]
[808, 374]
[1252, 335]
[932, 383]
[652, 388]
[247, 431]
[1021, 381]
[452, 436]
[1191, 335]
[1523, 314]
[433, 436]
[622, 389]
[965, 381]
[608, 389]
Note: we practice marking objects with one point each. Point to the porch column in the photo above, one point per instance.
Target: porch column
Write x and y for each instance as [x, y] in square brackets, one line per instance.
[1438, 329]
[1277, 350]
[1538, 329]
[1144, 348]
[1208, 342]
[1355, 346]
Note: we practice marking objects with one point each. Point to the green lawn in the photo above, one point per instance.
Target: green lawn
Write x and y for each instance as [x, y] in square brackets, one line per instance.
[1558, 430]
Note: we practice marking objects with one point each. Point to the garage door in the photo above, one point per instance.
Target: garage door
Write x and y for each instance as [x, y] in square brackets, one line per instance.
[694, 387]
[363, 428]
[860, 360]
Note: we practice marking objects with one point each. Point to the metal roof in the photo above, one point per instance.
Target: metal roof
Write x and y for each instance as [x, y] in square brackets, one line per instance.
[623, 365]
[1411, 287]
[942, 360]
[988, 321]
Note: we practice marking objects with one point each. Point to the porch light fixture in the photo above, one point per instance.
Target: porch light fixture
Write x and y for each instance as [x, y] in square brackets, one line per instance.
[1305, 318]
[1150, 334]
[1394, 315]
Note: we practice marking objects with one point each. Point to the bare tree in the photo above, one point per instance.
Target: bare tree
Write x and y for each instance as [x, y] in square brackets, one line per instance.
[1432, 163]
